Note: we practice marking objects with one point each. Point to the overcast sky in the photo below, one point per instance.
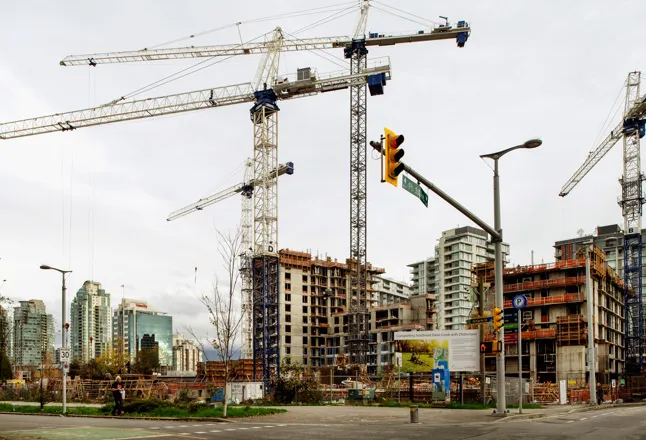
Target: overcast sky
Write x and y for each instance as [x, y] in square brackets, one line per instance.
[96, 200]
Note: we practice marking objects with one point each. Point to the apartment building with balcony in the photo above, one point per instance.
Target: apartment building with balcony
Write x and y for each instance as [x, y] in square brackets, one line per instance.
[448, 273]
[554, 323]
[90, 322]
[314, 311]
[387, 291]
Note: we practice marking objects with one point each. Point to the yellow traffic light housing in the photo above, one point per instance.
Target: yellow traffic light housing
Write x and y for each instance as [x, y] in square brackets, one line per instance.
[393, 156]
[498, 319]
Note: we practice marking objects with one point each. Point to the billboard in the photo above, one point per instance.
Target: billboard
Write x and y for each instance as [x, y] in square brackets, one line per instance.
[455, 350]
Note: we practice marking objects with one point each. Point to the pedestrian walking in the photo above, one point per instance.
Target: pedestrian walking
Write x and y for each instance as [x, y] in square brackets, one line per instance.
[599, 394]
[118, 393]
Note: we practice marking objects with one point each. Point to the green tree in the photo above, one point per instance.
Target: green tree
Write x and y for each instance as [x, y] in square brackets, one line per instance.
[6, 371]
[147, 361]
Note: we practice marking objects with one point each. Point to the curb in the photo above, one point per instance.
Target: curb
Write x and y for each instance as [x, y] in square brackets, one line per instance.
[166, 419]
[512, 417]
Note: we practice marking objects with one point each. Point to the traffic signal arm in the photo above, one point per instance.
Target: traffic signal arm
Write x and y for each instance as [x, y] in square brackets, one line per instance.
[495, 235]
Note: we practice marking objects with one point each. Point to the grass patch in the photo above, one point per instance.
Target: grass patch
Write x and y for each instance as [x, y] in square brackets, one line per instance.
[147, 410]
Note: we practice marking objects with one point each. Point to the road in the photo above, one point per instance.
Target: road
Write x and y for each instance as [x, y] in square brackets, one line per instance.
[612, 423]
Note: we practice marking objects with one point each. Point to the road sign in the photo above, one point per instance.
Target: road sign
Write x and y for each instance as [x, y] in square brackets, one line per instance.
[479, 320]
[66, 367]
[415, 190]
[519, 302]
[66, 354]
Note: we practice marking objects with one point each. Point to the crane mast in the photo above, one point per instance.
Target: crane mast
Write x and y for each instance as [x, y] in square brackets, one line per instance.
[630, 129]
[246, 189]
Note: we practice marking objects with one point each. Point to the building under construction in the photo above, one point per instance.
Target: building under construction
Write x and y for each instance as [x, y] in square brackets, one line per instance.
[315, 312]
[554, 325]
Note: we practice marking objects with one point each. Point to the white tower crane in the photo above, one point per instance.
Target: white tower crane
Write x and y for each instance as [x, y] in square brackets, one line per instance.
[264, 117]
[246, 189]
[631, 129]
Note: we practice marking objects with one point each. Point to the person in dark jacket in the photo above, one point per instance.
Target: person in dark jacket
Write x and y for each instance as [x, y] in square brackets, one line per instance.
[117, 388]
[599, 394]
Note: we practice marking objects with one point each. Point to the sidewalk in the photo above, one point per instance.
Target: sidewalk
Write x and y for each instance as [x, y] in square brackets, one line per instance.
[360, 415]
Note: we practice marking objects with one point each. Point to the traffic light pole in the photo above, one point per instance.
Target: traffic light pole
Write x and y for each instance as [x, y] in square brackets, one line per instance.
[496, 237]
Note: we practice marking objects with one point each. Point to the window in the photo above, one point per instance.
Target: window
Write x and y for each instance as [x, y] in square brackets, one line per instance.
[288, 297]
[288, 318]
[288, 329]
[305, 289]
[288, 307]
[304, 309]
[288, 350]
[288, 276]
[305, 278]
[288, 286]
[288, 339]
[304, 340]
[304, 319]
[305, 299]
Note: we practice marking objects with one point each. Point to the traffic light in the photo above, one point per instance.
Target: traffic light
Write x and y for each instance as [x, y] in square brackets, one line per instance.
[393, 156]
[486, 347]
[498, 322]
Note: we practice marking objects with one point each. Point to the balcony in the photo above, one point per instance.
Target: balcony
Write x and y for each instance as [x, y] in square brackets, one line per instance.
[556, 299]
[548, 333]
[544, 284]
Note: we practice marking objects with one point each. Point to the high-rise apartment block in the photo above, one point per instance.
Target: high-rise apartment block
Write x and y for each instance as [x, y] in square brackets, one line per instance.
[186, 354]
[90, 322]
[33, 334]
[387, 291]
[6, 332]
[138, 326]
[448, 273]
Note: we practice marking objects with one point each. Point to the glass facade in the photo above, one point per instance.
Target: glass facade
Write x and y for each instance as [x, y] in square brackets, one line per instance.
[153, 331]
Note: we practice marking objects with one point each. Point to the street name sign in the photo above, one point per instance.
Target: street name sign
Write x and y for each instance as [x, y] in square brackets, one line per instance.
[480, 320]
[415, 190]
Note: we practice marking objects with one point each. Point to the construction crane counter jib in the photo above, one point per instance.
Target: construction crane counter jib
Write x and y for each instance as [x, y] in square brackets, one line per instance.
[460, 33]
[247, 187]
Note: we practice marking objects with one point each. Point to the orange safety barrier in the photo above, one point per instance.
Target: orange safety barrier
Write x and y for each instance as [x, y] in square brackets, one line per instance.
[556, 299]
[533, 285]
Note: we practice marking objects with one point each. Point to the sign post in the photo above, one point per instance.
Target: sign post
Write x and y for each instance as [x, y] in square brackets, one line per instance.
[519, 302]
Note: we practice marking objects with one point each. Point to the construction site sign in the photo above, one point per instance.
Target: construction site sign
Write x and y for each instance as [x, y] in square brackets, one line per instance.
[454, 350]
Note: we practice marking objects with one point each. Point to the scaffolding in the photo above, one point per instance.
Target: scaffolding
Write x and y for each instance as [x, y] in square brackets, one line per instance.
[571, 330]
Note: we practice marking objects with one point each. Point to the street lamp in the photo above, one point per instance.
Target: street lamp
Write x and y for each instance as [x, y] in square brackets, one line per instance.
[64, 334]
[501, 404]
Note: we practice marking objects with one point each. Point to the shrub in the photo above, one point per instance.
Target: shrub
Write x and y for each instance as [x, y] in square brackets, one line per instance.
[145, 406]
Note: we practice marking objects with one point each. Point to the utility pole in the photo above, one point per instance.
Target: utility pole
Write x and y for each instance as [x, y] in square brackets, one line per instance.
[483, 380]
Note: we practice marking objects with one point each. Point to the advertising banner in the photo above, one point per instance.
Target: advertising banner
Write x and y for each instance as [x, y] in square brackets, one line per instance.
[455, 350]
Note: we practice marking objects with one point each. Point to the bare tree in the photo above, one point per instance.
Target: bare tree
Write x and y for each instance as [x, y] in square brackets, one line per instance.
[225, 313]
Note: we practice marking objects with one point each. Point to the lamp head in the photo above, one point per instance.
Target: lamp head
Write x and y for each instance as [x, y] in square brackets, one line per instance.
[45, 267]
[533, 143]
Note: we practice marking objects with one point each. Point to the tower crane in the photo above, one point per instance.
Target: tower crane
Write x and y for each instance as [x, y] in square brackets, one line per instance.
[245, 188]
[630, 129]
[264, 116]
[264, 265]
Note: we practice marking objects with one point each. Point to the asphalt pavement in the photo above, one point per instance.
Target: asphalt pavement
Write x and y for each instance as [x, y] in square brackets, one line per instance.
[562, 423]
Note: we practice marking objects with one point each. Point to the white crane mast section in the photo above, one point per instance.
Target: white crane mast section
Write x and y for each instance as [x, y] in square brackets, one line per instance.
[257, 48]
[631, 182]
[245, 266]
[183, 102]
